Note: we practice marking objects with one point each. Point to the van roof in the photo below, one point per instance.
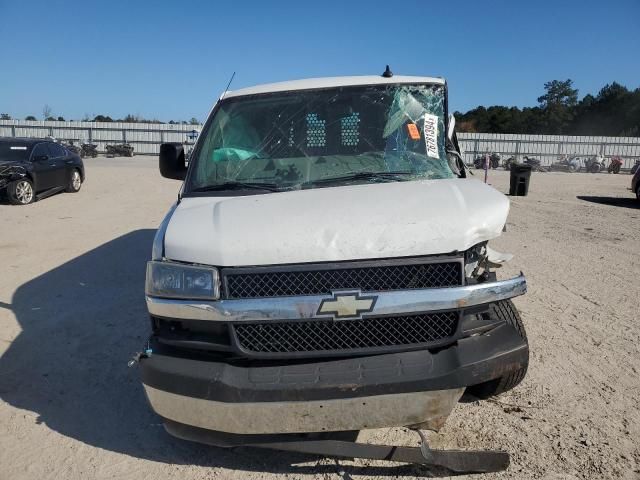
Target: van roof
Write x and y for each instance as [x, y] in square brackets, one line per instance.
[330, 82]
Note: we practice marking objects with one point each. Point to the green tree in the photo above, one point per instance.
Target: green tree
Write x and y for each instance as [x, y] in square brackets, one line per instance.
[5, 116]
[194, 121]
[102, 118]
[558, 105]
[30, 117]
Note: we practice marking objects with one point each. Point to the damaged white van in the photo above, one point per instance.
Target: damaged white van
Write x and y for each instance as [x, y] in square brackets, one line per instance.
[326, 268]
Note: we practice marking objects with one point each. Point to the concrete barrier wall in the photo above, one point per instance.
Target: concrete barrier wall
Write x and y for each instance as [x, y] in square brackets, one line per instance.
[549, 148]
[147, 137]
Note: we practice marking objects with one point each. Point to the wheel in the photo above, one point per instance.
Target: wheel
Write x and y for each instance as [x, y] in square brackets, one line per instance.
[21, 192]
[638, 192]
[616, 169]
[75, 182]
[504, 310]
[573, 168]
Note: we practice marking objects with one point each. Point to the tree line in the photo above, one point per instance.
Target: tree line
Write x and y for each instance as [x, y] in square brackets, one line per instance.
[614, 111]
[47, 114]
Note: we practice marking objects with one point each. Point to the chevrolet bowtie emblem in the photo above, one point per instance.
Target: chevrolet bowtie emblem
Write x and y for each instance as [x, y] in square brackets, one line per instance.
[347, 305]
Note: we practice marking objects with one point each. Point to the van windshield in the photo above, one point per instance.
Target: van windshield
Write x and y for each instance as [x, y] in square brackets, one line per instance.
[317, 138]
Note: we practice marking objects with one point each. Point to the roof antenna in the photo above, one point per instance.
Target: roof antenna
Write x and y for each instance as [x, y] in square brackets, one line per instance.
[387, 73]
[228, 84]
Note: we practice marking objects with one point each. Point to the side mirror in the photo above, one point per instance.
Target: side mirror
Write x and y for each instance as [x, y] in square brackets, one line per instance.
[172, 163]
[41, 158]
[451, 128]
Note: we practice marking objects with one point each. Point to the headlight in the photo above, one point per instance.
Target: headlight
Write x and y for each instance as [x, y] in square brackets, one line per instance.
[174, 280]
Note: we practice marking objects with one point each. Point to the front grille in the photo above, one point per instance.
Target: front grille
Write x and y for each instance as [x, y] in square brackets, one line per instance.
[347, 335]
[376, 278]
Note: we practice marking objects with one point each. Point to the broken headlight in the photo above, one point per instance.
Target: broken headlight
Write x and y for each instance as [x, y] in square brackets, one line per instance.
[175, 280]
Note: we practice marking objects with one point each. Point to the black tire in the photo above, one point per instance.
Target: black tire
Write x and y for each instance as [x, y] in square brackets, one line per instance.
[73, 184]
[15, 192]
[504, 310]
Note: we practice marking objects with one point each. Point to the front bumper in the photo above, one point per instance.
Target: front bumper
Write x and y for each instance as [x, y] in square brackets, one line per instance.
[367, 392]
[241, 396]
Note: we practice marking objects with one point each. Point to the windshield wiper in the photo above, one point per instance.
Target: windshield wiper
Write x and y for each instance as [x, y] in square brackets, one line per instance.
[388, 176]
[270, 187]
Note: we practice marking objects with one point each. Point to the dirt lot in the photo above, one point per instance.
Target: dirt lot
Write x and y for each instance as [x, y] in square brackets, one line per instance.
[72, 314]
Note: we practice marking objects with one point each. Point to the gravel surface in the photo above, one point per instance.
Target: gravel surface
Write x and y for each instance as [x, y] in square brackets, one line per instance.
[72, 314]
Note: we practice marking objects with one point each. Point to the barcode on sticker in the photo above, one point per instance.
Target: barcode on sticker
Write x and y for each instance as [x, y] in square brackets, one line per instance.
[431, 135]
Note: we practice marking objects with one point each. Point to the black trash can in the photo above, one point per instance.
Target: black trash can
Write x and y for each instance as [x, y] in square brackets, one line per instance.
[519, 181]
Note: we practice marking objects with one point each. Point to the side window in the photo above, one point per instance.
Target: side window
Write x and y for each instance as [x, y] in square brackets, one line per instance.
[56, 150]
[39, 150]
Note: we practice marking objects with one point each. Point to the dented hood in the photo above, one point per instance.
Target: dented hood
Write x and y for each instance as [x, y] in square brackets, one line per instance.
[381, 220]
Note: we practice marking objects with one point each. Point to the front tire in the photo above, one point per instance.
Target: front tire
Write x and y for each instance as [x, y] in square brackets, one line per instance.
[21, 192]
[504, 310]
[75, 182]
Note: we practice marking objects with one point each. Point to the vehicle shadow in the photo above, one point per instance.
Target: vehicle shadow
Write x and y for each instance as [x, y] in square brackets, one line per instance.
[80, 324]
[626, 202]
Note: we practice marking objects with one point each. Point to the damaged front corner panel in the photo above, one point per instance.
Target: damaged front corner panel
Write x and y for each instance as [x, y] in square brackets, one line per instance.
[11, 173]
[495, 259]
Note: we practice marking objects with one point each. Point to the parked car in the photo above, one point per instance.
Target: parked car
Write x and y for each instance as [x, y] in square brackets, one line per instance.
[31, 169]
[321, 252]
[635, 184]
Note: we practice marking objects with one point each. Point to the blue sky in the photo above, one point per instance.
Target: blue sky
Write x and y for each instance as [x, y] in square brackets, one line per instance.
[171, 60]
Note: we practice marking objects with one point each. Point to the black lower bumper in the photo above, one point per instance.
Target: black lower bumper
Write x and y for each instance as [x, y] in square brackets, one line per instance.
[470, 361]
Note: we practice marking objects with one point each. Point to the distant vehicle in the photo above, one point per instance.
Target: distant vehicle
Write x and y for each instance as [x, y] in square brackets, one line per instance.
[568, 164]
[121, 150]
[494, 161]
[89, 150]
[615, 165]
[635, 183]
[508, 162]
[536, 164]
[34, 168]
[71, 147]
[595, 164]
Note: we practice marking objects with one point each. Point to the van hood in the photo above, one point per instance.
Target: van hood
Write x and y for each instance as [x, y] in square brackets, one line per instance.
[383, 220]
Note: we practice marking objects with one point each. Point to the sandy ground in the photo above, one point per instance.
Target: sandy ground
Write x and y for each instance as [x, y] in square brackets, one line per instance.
[72, 314]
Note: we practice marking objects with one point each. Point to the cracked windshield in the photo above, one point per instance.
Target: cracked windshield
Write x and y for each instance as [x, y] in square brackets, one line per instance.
[311, 139]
